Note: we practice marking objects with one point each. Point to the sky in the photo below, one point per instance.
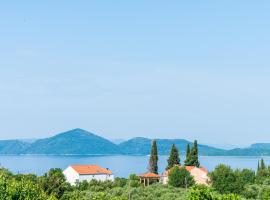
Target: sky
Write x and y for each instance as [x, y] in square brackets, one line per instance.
[121, 69]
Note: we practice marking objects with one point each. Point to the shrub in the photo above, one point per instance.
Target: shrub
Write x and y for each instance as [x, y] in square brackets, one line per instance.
[205, 193]
[200, 193]
[180, 177]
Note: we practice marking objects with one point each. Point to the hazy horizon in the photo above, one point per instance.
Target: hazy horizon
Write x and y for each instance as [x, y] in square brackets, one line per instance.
[126, 69]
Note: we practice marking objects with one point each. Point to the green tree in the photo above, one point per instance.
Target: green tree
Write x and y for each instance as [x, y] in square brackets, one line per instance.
[54, 183]
[174, 158]
[187, 161]
[262, 165]
[25, 190]
[194, 155]
[180, 177]
[134, 180]
[3, 184]
[243, 177]
[153, 161]
[264, 192]
[251, 191]
[223, 179]
[205, 193]
[120, 182]
[201, 192]
[263, 172]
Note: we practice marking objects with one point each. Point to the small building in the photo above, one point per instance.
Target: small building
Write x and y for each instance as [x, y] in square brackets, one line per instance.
[148, 178]
[200, 175]
[78, 173]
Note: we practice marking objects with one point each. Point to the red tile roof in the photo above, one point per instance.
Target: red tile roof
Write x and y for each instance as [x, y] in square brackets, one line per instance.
[189, 168]
[149, 175]
[90, 169]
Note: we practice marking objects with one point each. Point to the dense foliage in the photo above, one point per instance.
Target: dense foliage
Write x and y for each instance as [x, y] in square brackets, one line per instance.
[244, 182]
[180, 177]
[206, 193]
[24, 188]
[226, 180]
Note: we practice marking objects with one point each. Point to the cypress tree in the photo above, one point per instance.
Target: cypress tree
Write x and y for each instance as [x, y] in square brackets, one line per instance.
[187, 161]
[174, 158]
[262, 164]
[194, 158]
[258, 167]
[153, 161]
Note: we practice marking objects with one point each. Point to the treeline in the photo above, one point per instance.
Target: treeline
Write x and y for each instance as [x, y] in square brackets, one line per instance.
[226, 184]
[246, 182]
[178, 176]
[53, 186]
[192, 157]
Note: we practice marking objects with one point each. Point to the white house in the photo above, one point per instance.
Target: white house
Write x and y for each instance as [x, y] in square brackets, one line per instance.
[200, 175]
[78, 173]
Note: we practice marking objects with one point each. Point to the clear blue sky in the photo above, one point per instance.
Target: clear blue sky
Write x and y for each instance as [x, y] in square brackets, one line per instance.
[159, 69]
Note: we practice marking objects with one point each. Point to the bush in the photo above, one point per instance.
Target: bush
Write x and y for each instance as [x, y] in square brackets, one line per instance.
[205, 193]
[134, 181]
[251, 191]
[54, 183]
[264, 192]
[180, 177]
[120, 182]
[200, 193]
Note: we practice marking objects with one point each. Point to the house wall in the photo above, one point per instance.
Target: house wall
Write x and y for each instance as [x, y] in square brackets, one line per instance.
[164, 180]
[99, 177]
[199, 176]
[72, 176]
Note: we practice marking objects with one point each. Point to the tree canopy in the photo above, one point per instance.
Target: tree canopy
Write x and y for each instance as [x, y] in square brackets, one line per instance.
[180, 177]
[192, 156]
[174, 158]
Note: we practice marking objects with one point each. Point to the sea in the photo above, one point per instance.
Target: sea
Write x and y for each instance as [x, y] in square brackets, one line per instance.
[120, 165]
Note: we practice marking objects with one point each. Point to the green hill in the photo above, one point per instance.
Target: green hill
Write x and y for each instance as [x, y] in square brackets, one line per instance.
[260, 146]
[257, 149]
[76, 141]
[13, 146]
[142, 146]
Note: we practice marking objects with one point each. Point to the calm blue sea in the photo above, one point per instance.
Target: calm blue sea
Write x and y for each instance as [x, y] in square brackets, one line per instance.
[121, 166]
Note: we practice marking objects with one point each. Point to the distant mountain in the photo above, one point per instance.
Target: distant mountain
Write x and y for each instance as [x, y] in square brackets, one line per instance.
[257, 149]
[76, 141]
[13, 146]
[260, 146]
[142, 146]
[81, 142]
[223, 146]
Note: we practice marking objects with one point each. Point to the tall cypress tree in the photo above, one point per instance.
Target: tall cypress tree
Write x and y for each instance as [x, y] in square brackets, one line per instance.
[153, 161]
[194, 157]
[262, 164]
[187, 161]
[174, 158]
